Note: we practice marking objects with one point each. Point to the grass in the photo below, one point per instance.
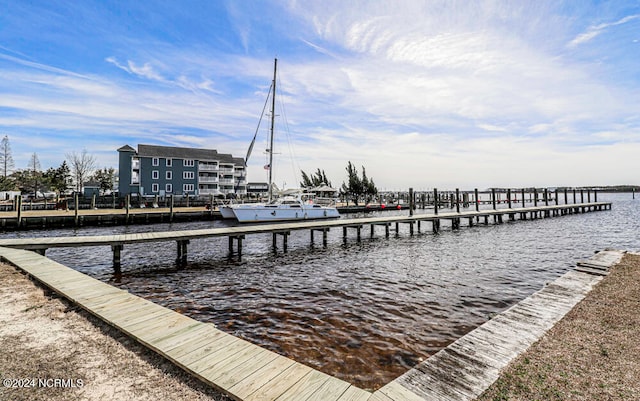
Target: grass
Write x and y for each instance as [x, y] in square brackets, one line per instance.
[591, 354]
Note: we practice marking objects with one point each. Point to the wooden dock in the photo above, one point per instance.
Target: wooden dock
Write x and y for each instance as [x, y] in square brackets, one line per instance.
[236, 234]
[232, 365]
[245, 371]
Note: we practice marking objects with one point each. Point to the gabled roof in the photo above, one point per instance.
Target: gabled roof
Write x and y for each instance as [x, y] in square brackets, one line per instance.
[126, 148]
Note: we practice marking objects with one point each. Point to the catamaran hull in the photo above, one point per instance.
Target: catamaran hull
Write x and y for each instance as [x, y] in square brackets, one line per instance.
[227, 212]
[246, 215]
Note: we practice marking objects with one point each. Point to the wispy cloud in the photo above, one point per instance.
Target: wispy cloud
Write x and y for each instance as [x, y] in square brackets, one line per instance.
[596, 30]
[402, 88]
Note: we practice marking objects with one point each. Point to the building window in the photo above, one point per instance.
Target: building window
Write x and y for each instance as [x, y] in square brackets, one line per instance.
[188, 188]
[155, 188]
[169, 162]
[155, 161]
[188, 175]
[168, 188]
[169, 175]
[155, 174]
[189, 163]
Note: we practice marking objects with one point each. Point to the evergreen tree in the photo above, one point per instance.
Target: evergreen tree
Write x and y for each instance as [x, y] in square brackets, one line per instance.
[58, 179]
[105, 178]
[356, 187]
[317, 179]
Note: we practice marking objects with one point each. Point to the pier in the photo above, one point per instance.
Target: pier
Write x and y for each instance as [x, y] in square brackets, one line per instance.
[244, 371]
[237, 234]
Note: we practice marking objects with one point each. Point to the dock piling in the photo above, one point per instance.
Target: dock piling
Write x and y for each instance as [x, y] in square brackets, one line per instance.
[117, 251]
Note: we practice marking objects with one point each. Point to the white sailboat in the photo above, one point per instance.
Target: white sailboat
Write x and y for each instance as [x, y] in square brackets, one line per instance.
[292, 207]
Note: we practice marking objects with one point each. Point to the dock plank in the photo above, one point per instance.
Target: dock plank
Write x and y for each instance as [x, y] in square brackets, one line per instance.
[280, 384]
[304, 387]
[257, 379]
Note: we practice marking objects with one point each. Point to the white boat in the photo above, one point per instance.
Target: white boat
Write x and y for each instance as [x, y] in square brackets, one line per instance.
[284, 208]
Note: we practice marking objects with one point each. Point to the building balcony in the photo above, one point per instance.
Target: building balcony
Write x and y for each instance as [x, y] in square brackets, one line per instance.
[209, 192]
[226, 169]
[204, 180]
[227, 181]
[208, 167]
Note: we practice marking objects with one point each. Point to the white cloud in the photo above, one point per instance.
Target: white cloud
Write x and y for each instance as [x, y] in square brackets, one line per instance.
[596, 30]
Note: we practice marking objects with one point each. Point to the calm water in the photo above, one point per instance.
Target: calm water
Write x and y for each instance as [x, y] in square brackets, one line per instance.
[365, 312]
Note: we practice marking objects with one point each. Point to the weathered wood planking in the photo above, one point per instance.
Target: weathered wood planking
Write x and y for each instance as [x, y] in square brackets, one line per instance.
[467, 367]
[242, 370]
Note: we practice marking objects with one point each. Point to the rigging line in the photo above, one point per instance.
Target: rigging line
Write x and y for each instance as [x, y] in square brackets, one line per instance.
[246, 160]
[295, 166]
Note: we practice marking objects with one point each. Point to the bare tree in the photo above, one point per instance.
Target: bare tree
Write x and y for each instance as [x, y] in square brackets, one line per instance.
[6, 160]
[82, 166]
[34, 173]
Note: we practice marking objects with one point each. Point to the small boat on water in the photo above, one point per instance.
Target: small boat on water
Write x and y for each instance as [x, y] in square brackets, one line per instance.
[284, 208]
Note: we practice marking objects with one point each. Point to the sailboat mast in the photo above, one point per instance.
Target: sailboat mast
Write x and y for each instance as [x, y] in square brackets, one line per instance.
[273, 117]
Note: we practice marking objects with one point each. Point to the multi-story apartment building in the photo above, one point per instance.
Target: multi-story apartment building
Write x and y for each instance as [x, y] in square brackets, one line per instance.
[166, 170]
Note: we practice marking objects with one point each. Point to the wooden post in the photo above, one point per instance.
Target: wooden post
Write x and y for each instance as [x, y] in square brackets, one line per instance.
[595, 195]
[556, 196]
[211, 203]
[182, 252]
[93, 201]
[476, 200]
[187, 200]
[546, 197]
[117, 250]
[75, 218]
[171, 210]
[523, 200]
[113, 200]
[509, 197]
[566, 197]
[19, 209]
[324, 237]
[535, 197]
[411, 201]
[581, 196]
[493, 198]
[127, 201]
[457, 200]
[574, 196]
[435, 200]
[588, 196]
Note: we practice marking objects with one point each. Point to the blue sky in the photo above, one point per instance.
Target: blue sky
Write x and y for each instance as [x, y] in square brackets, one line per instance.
[422, 93]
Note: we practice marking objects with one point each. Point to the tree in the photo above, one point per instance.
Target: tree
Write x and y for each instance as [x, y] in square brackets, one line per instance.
[357, 187]
[7, 184]
[105, 178]
[58, 179]
[315, 180]
[6, 160]
[34, 173]
[82, 165]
